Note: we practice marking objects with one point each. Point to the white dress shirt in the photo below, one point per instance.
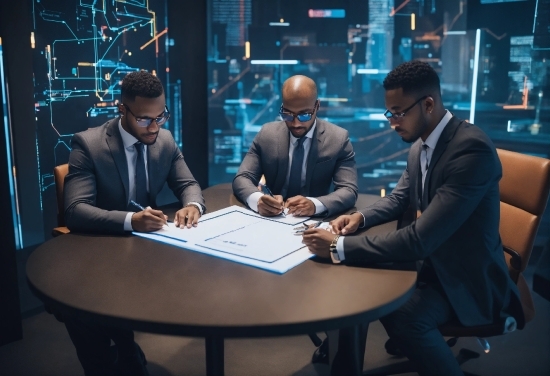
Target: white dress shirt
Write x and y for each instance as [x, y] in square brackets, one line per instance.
[431, 141]
[252, 200]
[131, 157]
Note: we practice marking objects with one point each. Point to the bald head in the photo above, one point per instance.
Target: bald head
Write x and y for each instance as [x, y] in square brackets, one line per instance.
[299, 88]
[300, 97]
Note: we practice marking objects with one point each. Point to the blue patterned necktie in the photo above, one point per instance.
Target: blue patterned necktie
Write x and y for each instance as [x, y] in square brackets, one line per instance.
[295, 178]
[142, 197]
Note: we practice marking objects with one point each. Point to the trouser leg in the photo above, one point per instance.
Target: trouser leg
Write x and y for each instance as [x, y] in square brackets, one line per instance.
[414, 328]
[92, 347]
[351, 350]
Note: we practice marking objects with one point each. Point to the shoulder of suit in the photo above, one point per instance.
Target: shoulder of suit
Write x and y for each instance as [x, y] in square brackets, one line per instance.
[468, 136]
[96, 132]
[273, 128]
[331, 129]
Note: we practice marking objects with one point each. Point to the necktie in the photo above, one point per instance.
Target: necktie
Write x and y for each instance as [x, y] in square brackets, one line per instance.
[423, 171]
[142, 197]
[426, 163]
[295, 178]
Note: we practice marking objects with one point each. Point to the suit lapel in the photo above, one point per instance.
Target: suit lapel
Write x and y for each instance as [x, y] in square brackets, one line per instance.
[116, 147]
[440, 148]
[415, 174]
[153, 156]
[317, 143]
[283, 141]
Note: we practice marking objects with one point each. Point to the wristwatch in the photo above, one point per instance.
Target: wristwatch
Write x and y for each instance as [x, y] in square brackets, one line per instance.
[333, 252]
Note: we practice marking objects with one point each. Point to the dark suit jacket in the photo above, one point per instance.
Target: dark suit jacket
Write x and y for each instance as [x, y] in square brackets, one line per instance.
[331, 159]
[458, 231]
[96, 187]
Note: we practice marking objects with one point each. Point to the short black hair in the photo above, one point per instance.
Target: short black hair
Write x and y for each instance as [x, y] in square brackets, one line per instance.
[414, 77]
[141, 84]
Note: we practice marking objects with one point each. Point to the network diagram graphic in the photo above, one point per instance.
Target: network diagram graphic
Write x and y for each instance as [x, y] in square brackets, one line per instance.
[81, 51]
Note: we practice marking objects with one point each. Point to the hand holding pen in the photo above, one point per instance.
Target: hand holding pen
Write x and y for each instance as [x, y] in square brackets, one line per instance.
[270, 205]
[304, 227]
[147, 219]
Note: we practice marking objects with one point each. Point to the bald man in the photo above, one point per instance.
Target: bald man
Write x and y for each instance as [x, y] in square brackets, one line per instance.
[300, 157]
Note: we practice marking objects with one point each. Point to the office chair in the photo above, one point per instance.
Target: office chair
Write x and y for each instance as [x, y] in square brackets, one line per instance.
[524, 190]
[59, 173]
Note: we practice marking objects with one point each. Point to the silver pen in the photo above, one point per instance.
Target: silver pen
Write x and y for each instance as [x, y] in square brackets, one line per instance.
[267, 191]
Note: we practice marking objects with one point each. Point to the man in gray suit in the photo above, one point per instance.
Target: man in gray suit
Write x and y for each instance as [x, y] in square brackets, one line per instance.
[105, 172]
[300, 158]
[114, 169]
[451, 188]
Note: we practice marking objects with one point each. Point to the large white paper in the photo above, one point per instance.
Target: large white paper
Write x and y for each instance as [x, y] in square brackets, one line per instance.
[240, 235]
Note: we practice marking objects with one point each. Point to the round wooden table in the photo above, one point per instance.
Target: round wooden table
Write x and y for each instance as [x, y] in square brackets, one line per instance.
[140, 284]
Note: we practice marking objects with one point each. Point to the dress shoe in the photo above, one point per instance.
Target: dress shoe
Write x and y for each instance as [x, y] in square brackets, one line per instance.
[133, 364]
[321, 353]
[392, 348]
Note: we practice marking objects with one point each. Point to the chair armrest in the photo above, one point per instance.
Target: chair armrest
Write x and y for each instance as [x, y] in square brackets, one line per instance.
[515, 260]
[60, 231]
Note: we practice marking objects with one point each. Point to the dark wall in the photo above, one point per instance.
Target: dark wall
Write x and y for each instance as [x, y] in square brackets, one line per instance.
[15, 26]
[187, 20]
[10, 318]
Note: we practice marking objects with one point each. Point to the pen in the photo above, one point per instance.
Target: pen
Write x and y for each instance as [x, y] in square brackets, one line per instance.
[267, 191]
[137, 205]
[140, 207]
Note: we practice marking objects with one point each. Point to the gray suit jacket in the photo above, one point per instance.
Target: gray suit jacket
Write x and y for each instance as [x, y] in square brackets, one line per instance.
[458, 231]
[331, 159]
[96, 187]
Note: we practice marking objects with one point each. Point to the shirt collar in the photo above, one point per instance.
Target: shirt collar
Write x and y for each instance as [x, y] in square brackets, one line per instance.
[432, 139]
[127, 139]
[309, 134]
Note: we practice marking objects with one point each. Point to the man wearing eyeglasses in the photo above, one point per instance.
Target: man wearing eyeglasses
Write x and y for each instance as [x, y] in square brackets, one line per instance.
[448, 202]
[115, 174]
[300, 157]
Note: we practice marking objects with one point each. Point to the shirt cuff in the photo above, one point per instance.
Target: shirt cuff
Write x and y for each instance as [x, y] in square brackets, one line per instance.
[362, 215]
[199, 206]
[340, 248]
[128, 221]
[319, 207]
[252, 200]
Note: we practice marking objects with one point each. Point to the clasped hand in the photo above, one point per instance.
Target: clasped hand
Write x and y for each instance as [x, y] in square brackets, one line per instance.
[298, 205]
[318, 240]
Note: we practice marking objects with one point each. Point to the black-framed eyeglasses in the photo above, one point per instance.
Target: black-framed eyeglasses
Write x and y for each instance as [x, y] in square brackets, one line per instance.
[289, 116]
[146, 121]
[397, 116]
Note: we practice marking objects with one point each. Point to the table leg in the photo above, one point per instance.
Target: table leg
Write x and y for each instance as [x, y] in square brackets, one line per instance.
[349, 356]
[214, 356]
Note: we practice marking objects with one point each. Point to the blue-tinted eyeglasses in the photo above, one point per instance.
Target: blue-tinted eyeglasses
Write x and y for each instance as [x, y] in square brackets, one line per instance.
[397, 116]
[303, 117]
[146, 121]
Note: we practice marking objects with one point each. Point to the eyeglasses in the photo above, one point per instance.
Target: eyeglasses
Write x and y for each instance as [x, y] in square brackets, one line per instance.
[289, 116]
[397, 116]
[146, 121]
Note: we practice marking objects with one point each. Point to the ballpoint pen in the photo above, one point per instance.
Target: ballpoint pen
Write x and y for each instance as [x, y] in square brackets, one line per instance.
[137, 205]
[267, 191]
[141, 207]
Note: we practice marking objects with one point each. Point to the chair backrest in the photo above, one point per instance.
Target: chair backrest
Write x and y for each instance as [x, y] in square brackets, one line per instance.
[524, 190]
[59, 173]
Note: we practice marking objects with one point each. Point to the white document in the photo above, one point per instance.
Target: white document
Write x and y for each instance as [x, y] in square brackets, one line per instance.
[243, 236]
